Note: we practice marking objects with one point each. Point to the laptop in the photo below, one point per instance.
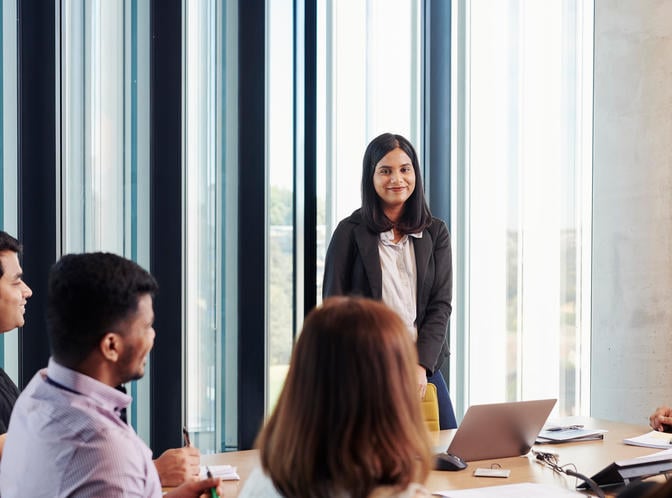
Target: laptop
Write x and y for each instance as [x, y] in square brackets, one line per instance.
[500, 430]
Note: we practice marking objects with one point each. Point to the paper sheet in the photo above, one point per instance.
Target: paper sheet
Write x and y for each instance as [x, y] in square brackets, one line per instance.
[521, 490]
[225, 472]
[653, 439]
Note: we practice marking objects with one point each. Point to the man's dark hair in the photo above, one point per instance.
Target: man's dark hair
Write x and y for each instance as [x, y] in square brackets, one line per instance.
[416, 216]
[89, 294]
[8, 243]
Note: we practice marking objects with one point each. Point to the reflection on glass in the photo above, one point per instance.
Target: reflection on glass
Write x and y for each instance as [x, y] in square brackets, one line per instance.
[524, 222]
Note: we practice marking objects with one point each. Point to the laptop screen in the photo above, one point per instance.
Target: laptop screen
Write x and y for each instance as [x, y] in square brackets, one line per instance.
[500, 430]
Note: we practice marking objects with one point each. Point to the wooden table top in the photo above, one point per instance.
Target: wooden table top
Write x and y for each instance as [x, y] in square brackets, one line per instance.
[588, 456]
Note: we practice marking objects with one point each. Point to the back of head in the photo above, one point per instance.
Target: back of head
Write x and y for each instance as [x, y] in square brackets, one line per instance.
[8, 243]
[88, 294]
[348, 418]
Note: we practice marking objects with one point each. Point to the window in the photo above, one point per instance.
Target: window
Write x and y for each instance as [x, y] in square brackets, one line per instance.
[369, 82]
[521, 195]
[210, 223]
[104, 126]
[9, 345]
[280, 193]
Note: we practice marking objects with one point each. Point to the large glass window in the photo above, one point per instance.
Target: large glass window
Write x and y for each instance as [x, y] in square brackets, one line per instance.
[104, 127]
[210, 220]
[9, 344]
[280, 192]
[368, 82]
[522, 167]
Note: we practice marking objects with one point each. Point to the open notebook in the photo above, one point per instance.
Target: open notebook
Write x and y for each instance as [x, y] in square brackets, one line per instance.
[500, 430]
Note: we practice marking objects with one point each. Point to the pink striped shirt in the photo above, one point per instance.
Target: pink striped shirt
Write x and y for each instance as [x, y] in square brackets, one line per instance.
[65, 438]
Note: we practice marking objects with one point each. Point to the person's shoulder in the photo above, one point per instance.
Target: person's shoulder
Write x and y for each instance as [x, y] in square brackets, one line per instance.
[355, 218]
[438, 229]
[349, 224]
[259, 484]
[414, 490]
[437, 224]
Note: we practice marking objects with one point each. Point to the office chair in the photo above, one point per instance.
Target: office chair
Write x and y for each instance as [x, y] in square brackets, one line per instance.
[430, 408]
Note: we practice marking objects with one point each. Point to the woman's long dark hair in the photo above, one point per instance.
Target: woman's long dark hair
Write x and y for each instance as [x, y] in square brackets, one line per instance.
[416, 215]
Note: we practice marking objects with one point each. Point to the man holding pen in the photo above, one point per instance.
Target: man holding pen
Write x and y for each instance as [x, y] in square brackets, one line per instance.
[65, 427]
[174, 466]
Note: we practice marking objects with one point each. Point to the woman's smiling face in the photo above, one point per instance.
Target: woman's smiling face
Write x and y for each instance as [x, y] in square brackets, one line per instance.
[394, 179]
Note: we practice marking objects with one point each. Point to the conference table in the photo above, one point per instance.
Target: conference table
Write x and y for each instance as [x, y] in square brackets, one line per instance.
[589, 457]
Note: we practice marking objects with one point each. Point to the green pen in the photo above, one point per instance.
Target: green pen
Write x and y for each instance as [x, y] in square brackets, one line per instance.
[213, 491]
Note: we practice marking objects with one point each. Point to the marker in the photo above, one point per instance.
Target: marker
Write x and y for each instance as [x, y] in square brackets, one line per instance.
[213, 491]
[187, 439]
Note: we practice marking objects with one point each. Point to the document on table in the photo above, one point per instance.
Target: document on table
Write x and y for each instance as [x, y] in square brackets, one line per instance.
[569, 434]
[520, 490]
[653, 439]
[225, 472]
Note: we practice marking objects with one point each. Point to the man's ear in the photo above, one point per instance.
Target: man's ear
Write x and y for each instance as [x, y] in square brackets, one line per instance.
[110, 346]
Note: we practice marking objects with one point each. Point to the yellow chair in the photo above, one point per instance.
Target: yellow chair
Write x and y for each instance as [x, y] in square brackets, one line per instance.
[430, 408]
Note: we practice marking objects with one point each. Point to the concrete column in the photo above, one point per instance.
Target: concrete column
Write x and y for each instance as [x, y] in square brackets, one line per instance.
[631, 356]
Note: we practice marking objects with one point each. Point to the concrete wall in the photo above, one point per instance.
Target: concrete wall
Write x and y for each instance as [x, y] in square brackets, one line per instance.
[631, 369]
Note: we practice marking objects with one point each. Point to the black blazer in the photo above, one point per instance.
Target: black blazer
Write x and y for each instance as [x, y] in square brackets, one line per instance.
[352, 267]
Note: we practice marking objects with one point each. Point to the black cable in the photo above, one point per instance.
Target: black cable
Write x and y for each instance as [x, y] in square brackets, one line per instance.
[551, 460]
[592, 484]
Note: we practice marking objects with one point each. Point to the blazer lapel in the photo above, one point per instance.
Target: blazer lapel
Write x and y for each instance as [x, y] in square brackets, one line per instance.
[423, 250]
[367, 242]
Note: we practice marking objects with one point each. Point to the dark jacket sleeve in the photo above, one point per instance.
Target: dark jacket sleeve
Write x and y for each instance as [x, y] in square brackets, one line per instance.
[339, 261]
[434, 318]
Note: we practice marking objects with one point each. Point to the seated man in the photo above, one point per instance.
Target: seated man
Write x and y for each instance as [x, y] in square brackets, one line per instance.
[65, 426]
[13, 296]
[174, 465]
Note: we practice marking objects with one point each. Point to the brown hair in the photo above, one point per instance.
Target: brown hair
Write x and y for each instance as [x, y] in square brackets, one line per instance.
[348, 418]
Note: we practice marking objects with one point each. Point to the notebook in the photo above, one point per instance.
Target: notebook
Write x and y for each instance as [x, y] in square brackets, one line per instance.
[500, 430]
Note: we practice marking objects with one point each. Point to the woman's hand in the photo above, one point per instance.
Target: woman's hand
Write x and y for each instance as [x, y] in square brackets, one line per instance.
[422, 380]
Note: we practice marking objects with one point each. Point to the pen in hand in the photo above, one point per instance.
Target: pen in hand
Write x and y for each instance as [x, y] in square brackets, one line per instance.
[213, 491]
[187, 442]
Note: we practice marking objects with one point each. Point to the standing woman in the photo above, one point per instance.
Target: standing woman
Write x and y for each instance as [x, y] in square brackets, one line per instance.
[392, 249]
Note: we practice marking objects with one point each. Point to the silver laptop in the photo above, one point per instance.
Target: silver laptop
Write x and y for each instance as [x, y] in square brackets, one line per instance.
[500, 430]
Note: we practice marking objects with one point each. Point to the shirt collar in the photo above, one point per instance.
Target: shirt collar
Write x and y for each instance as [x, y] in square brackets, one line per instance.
[389, 236]
[105, 395]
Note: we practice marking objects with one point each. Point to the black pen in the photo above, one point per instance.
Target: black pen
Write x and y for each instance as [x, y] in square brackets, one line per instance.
[185, 433]
[213, 491]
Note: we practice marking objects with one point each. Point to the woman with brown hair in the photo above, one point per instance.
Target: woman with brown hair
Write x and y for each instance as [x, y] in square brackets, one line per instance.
[348, 420]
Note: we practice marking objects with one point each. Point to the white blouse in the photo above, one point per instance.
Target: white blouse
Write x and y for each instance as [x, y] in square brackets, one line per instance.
[400, 277]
